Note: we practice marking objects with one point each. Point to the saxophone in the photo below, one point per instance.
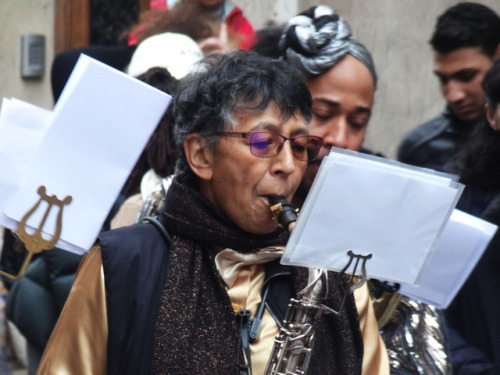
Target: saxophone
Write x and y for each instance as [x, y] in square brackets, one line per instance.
[293, 345]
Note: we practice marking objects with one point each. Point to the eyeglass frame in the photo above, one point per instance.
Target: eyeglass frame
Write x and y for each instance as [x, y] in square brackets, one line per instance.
[247, 135]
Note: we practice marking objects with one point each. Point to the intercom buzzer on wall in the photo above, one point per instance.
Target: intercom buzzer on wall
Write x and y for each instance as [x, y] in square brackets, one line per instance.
[32, 55]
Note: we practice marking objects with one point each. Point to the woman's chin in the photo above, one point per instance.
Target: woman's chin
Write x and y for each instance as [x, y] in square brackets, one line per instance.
[266, 227]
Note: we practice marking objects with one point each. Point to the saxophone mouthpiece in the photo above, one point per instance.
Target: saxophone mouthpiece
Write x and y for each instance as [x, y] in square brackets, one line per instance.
[284, 212]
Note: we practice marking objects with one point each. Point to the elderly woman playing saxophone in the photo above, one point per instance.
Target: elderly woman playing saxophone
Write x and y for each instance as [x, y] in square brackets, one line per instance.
[147, 301]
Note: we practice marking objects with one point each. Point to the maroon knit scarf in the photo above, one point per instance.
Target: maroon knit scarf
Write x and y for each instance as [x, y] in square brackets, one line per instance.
[196, 331]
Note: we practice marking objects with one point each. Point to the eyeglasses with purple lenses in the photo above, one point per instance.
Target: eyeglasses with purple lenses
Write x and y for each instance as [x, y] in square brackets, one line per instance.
[268, 145]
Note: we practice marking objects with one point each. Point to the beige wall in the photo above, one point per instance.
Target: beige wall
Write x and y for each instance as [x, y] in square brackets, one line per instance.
[259, 12]
[395, 31]
[19, 17]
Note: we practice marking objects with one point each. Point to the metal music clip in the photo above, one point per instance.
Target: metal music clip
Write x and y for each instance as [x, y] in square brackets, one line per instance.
[352, 284]
[35, 242]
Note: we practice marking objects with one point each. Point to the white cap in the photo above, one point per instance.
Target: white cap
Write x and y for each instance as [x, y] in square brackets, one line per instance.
[175, 52]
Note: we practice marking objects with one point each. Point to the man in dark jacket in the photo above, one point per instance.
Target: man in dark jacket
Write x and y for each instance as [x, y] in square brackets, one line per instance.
[465, 43]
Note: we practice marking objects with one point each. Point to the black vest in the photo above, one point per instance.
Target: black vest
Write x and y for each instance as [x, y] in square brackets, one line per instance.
[134, 262]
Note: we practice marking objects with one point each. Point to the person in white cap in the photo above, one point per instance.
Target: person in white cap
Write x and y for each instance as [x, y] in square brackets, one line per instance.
[173, 51]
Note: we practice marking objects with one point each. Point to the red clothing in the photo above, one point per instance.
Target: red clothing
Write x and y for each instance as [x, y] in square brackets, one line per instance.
[238, 24]
[235, 20]
[158, 4]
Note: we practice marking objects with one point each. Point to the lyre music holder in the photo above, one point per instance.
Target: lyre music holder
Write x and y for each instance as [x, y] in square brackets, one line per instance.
[354, 281]
[35, 242]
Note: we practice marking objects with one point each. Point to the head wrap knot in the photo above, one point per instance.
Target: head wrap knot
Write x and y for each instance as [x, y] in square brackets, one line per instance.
[318, 38]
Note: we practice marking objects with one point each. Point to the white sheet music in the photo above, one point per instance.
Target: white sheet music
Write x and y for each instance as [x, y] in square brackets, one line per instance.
[460, 247]
[98, 129]
[22, 128]
[372, 206]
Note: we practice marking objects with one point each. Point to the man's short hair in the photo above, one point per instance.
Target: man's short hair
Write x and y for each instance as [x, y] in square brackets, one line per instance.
[467, 25]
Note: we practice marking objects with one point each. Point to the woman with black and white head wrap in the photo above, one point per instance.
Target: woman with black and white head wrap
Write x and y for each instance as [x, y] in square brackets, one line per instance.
[342, 81]
[318, 38]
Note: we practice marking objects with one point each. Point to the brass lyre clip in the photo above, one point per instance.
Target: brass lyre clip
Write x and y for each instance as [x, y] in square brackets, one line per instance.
[35, 242]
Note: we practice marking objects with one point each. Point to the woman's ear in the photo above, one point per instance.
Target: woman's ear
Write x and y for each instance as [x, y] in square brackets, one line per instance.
[199, 156]
[490, 117]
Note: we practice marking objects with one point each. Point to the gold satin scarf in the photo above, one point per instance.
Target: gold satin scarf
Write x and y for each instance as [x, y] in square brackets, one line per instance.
[229, 262]
[244, 275]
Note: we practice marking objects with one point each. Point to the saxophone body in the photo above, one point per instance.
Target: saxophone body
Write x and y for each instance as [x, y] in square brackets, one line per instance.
[293, 345]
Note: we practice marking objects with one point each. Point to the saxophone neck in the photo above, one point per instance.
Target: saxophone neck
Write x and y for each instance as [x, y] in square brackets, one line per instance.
[292, 349]
[286, 214]
[317, 286]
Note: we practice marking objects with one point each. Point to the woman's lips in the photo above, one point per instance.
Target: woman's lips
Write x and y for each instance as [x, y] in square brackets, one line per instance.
[274, 199]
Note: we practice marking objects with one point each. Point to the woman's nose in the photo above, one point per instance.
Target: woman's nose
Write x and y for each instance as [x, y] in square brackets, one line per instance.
[285, 160]
[336, 135]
